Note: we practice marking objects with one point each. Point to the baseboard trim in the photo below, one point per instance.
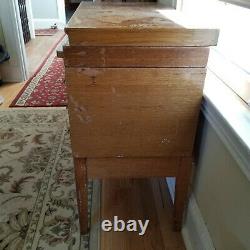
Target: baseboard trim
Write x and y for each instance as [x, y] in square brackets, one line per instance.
[47, 23]
[194, 231]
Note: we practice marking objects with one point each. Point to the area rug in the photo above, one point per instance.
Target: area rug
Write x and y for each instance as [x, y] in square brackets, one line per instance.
[38, 207]
[46, 32]
[46, 88]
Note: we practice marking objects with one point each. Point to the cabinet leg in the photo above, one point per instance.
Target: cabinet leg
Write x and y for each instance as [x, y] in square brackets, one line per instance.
[82, 192]
[181, 190]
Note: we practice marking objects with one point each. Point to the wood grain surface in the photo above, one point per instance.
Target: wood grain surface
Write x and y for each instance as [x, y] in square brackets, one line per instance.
[182, 187]
[132, 167]
[133, 112]
[135, 24]
[117, 57]
[173, 37]
[82, 192]
[137, 199]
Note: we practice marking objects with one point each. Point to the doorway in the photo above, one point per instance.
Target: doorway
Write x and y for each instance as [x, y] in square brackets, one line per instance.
[24, 20]
[70, 8]
[46, 21]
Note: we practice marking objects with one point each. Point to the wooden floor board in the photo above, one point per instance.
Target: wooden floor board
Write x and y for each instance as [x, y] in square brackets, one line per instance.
[37, 49]
[164, 209]
[9, 91]
[138, 199]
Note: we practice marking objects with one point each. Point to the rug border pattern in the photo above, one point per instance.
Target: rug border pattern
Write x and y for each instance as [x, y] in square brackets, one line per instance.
[19, 100]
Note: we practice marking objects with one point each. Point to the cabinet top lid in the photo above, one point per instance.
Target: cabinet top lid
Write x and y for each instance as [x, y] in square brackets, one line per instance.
[130, 16]
[138, 17]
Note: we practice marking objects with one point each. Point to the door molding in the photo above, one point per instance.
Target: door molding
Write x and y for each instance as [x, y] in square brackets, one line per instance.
[31, 19]
[14, 70]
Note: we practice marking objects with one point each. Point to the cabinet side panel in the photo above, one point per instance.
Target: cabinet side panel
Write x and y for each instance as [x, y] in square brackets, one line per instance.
[133, 112]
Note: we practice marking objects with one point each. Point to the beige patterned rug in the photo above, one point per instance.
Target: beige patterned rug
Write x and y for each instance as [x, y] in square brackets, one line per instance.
[37, 191]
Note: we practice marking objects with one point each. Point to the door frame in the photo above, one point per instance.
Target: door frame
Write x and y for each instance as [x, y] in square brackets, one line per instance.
[14, 70]
[30, 18]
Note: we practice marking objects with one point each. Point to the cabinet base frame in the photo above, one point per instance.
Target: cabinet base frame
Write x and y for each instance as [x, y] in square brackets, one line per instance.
[179, 167]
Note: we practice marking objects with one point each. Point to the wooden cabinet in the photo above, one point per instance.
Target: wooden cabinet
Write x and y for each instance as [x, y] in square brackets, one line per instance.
[134, 81]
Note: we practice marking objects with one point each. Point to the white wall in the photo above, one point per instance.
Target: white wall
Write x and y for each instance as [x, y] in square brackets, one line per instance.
[47, 13]
[218, 215]
[45, 9]
[222, 192]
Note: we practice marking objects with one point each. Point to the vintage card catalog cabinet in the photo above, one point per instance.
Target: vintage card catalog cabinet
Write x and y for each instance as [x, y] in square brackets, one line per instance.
[134, 76]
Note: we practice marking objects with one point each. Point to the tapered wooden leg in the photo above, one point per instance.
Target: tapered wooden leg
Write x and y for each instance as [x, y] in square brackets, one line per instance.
[82, 192]
[181, 190]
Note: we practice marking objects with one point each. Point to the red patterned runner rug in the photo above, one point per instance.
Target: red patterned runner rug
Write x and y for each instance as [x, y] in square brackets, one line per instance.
[46, 88]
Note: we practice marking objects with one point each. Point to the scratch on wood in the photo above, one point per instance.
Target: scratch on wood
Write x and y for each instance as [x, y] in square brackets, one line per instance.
[93, 82]
[85, 119]
[72, 100]
[82, 53]
[91, 72]
[120, 156]
[113, 90]
[79, 199]
[103, 52]
[165, 141]
[81, 111]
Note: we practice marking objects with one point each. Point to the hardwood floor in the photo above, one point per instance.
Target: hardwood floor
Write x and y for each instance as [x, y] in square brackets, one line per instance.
[36, 51]
[9, 91]
[137, 199]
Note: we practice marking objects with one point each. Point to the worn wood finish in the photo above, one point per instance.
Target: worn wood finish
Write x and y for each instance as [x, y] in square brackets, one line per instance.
[119, 57]
[181, 190]
[133, 16]
[134, 76]
[132, 167]
[82, 192]
[143, 38]
[133, 24]
[133, 112]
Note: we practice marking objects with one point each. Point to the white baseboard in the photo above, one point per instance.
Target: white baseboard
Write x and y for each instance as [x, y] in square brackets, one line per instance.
[194, 231]
[47, 23]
